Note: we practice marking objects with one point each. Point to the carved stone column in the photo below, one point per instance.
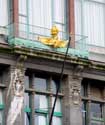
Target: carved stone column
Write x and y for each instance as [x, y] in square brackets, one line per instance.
[75, 101]
[15, 93]
[72, 109]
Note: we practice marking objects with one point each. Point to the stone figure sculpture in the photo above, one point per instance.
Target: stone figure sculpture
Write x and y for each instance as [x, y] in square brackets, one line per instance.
[17, 102]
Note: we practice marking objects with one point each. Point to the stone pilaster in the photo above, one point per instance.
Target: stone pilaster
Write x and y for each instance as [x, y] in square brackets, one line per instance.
[66, 102]
[75, 101]
[89, 105]
[72, 101]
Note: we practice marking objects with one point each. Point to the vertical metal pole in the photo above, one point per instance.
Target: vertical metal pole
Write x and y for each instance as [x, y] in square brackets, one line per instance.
[27, 10]
[58, 87]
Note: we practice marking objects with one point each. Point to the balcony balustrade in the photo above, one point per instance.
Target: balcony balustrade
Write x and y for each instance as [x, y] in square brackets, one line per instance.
[24, 35]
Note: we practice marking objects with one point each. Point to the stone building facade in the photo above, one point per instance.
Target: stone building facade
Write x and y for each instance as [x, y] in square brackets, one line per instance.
[37, 69]
[81, 96]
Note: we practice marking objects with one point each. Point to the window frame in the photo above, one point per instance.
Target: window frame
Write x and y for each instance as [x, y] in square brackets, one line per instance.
[2, 105]
[49, 93]
[88, 101]
[53, 22]
[93, 46]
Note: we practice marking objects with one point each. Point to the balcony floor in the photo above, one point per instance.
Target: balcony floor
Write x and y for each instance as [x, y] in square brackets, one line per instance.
[39, 46]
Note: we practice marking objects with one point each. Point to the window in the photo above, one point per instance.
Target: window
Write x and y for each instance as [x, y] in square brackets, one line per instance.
[36, 17]
[54, 84]
[27, 108]
[40, 119]
[3, 16]
[3, 13]
[58, 104]
[57, 118]
[2, 88]
[40, 84]
[96, 91]
[96, 110]
[84, 112]
[44, 89]
[84, 90]
[56, 121]
[26, 121]
[90, 20]
[1, 104]
[97, 113]
[92, 102]
[38, 102]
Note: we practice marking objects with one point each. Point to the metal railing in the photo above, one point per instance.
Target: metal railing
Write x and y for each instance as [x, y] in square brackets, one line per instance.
[31, 33]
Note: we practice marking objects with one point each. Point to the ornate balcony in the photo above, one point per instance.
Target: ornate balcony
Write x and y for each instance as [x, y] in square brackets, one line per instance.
[23, 35]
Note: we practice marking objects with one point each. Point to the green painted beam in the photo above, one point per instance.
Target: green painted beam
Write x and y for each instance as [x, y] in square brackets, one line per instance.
[41, 111]
[38, 45]
[2, 106]
[98, 119]
[27, 109]
[58, 114]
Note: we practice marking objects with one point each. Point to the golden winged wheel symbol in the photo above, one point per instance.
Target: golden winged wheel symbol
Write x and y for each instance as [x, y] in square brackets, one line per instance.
[53, 41]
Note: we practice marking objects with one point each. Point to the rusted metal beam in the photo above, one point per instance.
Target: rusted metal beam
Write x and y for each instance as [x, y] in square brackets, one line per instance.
[71, 21]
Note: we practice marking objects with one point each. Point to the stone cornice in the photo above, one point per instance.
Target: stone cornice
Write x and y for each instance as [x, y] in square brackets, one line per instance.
[4, 48]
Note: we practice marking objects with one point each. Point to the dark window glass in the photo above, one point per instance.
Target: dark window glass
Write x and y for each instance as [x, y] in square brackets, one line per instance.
[84, 112]
[84, 90]
[0, 79]
[96, 91]
[54, 85]
[97, 123]
[96, 110]
[26, 82]
[26, 100]
[40, 84]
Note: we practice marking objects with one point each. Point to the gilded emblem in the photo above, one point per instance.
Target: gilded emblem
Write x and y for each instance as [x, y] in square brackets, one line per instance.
[54, 40]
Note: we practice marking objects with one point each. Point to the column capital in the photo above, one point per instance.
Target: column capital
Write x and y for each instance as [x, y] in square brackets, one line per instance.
[77, 71]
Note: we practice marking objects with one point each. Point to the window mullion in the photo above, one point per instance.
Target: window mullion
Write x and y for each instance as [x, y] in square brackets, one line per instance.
[42, 111]
[96, 1]
[2, 104]
[49, 98]
[104, 105]
[49, 84]
[27, 12]
[31, 101]
[104, 112]
[82, 17]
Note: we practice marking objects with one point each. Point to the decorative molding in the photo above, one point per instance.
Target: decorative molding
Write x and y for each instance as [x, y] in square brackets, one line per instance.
[78, 69]
[75, 87]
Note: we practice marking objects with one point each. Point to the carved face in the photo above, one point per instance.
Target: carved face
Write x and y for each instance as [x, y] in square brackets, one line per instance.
[18, 85]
